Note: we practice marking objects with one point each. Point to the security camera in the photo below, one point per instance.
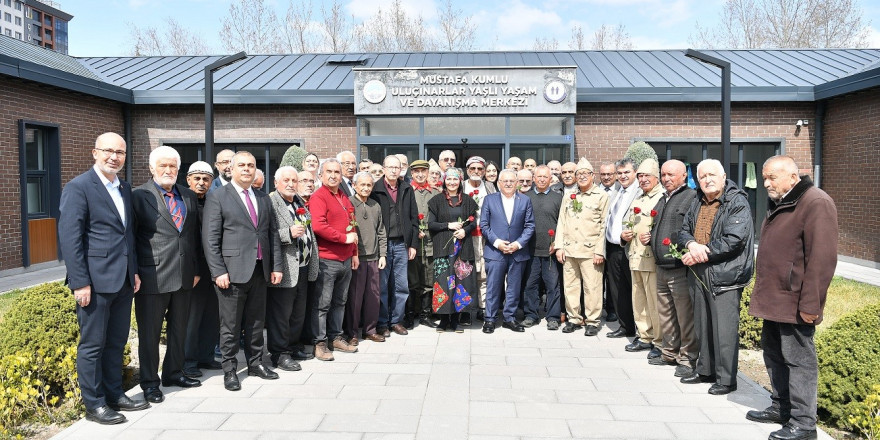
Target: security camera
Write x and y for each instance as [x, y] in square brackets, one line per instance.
[800, 123]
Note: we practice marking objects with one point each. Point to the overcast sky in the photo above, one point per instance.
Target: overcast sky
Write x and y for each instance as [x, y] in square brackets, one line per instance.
[99, 27]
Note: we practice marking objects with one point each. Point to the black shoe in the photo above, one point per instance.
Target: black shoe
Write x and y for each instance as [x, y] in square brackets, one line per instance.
[619, 333]
[183, 382]
[513, 325]
[697, 378]
[481, 315]
[611, 317]
[286, 363]
[660, 361]
[230, 381]
[488, 327]
[192, 372]
[464, 319]
[638, 345]
[791, 432]
[571, 327]
[213, 365]
[530, 322]
[552, 325]
[262, 372]
[301, 355]
[683, 371]
[408, 323]
[427, 322]
[768, 415]
[591, 330]
[384, 331]
[720, 390]
[126, 403]
[654, 353]
[153, 395]
[104, 415]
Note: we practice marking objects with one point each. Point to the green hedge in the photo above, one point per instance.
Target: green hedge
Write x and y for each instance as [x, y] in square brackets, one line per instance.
[849, 364]
[749, 326]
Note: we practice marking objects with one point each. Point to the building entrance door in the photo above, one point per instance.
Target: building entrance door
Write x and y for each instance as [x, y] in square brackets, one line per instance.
[489, 152]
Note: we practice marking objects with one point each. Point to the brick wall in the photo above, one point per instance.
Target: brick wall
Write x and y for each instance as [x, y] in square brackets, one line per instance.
[850, 171]
[81, 119]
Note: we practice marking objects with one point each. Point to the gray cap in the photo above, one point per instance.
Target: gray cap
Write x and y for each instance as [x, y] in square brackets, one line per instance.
[200, 167]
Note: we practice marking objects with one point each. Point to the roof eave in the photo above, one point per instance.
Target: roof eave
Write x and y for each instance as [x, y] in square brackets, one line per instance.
[850, 84]
[53, 77]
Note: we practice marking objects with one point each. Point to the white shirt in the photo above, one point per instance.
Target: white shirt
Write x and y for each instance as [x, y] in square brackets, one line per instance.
[113, 190]
[251, 195]
[468, 189]
[624, 198]
[507, 203]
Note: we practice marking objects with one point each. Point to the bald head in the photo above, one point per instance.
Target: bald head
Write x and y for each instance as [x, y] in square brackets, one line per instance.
[780, 176]
[673, 174]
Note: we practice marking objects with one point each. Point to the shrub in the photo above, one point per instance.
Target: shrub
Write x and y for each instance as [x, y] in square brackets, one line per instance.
[849, 364]
[640, 151]
[29, 391]
[749, 326]
[867, 417]
[294, 157]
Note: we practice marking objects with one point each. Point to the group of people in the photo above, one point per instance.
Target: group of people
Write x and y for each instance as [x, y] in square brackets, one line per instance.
[342, 252]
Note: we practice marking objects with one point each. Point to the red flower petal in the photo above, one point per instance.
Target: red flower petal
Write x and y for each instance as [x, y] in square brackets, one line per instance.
[653, 213]
[667, 241]
[573, 196]
[637, 210]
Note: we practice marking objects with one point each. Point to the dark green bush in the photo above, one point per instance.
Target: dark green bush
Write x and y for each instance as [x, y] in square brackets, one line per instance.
[749, 326]
[849, 364]
[294, 157]
[639, 151]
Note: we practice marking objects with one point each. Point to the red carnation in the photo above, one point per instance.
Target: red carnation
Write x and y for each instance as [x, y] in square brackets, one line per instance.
[551, 233]
[653, 213]
[573, 196]
[351, 210]
[637, 210]
[421, 216]
[476, 191]
[300, 211]
[472, 193]
[471, 218]
[667, 241]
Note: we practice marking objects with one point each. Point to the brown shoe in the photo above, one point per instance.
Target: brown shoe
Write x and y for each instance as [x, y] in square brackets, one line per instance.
[343, 346]
[353, 341]
[322, 353]
[384, 331]
[399, 329]
[375, 337]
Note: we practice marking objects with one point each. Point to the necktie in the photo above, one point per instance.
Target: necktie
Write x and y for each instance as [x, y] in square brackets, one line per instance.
[253, 213]
[171, 202]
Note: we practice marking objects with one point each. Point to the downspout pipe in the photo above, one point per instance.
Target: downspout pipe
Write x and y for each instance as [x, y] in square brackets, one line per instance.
[126, 123]
[817, 135]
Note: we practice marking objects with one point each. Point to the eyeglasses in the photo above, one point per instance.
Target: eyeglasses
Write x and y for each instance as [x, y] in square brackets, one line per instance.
[524, 180]
[224, 162]
[391, 168]
[109, 153]
[349, 164]
[475, 168]
[448, 159]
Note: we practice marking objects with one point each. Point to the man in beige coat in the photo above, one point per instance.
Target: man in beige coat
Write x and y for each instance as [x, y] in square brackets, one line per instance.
[637, 234]
[580, 243]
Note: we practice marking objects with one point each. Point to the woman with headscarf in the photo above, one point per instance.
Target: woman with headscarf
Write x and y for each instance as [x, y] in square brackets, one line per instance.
[451, 219]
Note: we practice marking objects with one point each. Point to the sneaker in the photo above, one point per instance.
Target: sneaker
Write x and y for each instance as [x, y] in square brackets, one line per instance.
[342, 345]
[322, 353]
[683, 371]
[529, 322]
[552, 325]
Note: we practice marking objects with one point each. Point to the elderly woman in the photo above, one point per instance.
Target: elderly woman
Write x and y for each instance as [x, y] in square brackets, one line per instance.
[451, 219]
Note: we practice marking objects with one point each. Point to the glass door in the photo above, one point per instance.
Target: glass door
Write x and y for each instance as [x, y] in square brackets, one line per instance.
[489, 152]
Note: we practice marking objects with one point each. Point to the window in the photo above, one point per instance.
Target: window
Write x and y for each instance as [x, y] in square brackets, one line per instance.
[7, 17]
[8, 32]
[18, 21]
[17, 5]
[47, 21]
[18, 35]
[7, 2]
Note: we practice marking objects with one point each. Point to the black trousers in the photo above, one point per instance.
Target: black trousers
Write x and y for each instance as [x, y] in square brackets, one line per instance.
[285, 315]
[103, 332]
[242, 302]
[716, 325]
[620, 285]
[203, 324]
[790, 357]
[421, 282]
[150, 310]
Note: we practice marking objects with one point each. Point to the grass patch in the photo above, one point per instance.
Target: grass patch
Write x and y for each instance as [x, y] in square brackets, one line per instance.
[845, 296]
[6, 300]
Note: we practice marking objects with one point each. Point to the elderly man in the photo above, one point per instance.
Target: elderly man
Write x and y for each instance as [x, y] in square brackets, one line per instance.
[305, 284]
[608, 179]
[377, 171]
[524, 181]
[674, 304]
[478, 189]
[421, 273]
[580, 242]
[514, 163]
[545, 204]
[362, 306]
[508, 223]
[404, 167]
[530, 164]
[795, 264]
[167, 241]
[446, 160]
[243, 250]
[202, 324]
[259, 180]
[96, 236]
[285, 301]
[719, 236]
[224, 169]
[568, 184]
[616, 263]
[401, 216]
[333, 220]
[637, 235]
[555, 168]
[349, 168]
[364, 166]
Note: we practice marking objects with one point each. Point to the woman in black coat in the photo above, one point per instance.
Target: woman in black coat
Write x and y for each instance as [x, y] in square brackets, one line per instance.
[451, 221]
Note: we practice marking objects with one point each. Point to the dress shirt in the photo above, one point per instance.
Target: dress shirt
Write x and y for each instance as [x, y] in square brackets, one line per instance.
[507, 203]
[392, 190]
[113, 190]
[238, 191]
[180, 204]
[620, 206]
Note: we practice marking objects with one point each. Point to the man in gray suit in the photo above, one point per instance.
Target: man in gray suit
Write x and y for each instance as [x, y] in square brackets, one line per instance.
[96, 235]
[167, 241]
[241, 243]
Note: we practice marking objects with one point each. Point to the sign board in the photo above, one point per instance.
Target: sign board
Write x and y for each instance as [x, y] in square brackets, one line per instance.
[465, 91]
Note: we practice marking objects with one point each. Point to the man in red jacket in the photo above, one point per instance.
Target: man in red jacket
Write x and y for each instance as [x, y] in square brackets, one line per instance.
[795, 264]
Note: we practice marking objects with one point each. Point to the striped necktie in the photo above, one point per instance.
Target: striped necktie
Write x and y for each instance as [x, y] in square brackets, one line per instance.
[174, 209]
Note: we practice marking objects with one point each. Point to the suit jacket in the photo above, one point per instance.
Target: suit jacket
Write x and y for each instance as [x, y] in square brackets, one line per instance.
[167, 258]
[97, 249]
[290, 246]
[216, 183]
[230, 238]
[494, 225]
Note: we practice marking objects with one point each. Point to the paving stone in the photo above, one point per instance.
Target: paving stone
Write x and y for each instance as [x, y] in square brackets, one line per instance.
[658, 414]
[493, 409]
[273, 422]
[258, 405]
[620, 398]
[197, 421]
[331, 406]
[562, 411]
[185, 434]
[511, 395]
[587, 372]
[509, 370]
[311, 436]
[721, 431]
[403, 407]
[408, 380]
[393, 368]
[299, 391]
[347, 379]
[441, 427]
[617, 429]
[379, 392]
[519, 426]
[543, 361]
[490, 382]
[370, 423]
[551, 383]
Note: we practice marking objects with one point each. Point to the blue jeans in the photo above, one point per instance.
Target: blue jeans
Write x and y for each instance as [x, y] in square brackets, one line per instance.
[393, 284]
[545, 268]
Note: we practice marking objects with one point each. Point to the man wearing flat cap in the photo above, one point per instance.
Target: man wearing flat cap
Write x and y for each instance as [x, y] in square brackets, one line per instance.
[420, 273]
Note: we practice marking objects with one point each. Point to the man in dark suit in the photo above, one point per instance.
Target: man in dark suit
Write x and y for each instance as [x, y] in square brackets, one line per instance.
[167, 238]
[507, 223]
[243, 251]
[224, 169]
[96, 234]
